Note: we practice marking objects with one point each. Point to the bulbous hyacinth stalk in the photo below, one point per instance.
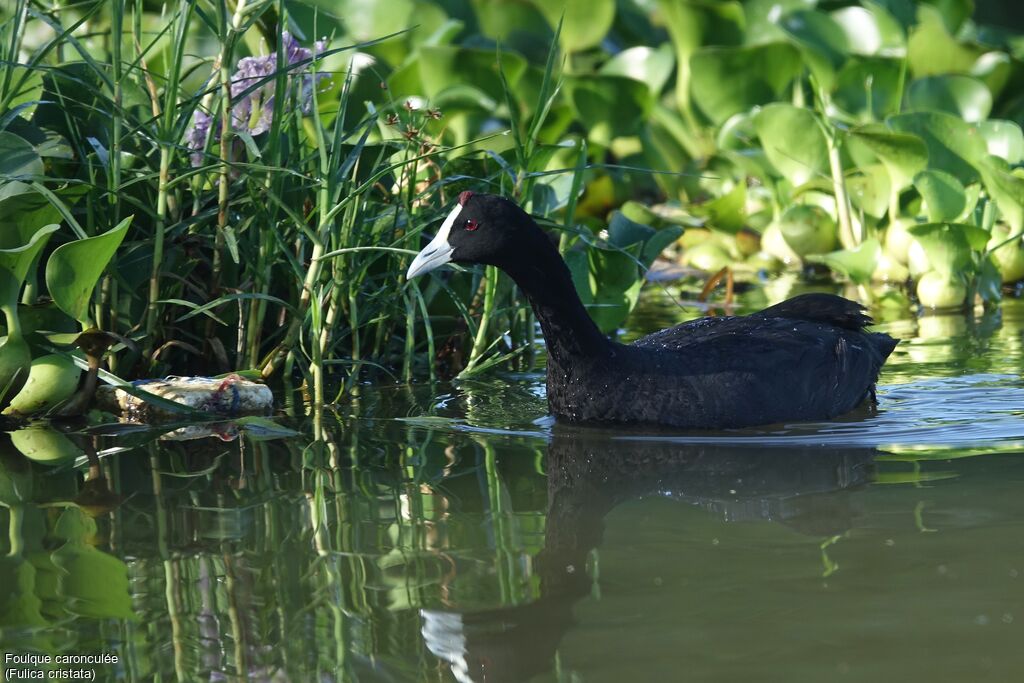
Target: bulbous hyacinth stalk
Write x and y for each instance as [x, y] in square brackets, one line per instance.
[252, 110]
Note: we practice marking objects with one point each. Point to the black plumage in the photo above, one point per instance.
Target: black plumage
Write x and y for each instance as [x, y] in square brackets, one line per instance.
[808, 358]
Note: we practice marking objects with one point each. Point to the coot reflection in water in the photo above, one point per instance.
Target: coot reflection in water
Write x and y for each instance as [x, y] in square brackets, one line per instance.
[589, 474]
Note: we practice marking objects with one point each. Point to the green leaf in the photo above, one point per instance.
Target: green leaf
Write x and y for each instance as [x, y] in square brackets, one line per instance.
[932, 50]
[608, 106]
[949, 246]
[17, 157]
[16, 260]
[821, 41]
[903, 155]
[264, 429]
[944, 196]
[793, 141]
[649, 65]
[727, 212]
[1004, 139]
[585, 23]
[1006, 189]
[953, 144]
[869, 88]
[857, 264]
[729, 80]
[73, 269]
[870, 30]
[445, 71]
[963, 96]
[763, 19]
[869, 189]
[692, 24]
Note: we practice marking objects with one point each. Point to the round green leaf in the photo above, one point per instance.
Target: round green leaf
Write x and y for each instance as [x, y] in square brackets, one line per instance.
[584, 22]
[870, 30]
[949, 246]
[1005, 188]
[608, 106]
[963, 96]
[953, 144]
[728, 80]
[821, 40]
[857, 264]
[74, 268]
[649, 65]
[869, 189]
[903, 155]
[932, 50]
[793, 141]
[1004, 140]
[869, 88]
[943, 195]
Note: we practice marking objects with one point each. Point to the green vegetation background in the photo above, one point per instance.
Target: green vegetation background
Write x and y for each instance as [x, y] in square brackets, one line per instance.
[201, 201]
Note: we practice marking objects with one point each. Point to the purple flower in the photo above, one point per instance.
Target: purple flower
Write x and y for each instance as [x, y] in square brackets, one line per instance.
[253, 111]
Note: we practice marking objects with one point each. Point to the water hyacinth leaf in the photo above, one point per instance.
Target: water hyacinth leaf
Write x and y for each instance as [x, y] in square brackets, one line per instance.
[903, 155]
[693, 24]
[793, 141]
[443, 68]
[17, 157]
[869, 88]
[649, 65]
[963, 96]
[1006, 189]
[15, 364]
[994, 69]
[932, 50]
[762, 19]
[944, 196]
[950, 246]
[953, 144]
[584, 22]
[870, 30]
[16, 259]
[858, 263]
[1004, 139]
[952, 12]
[727, 212]
[821, 41]
[608, 106]
[729, 80]
[869, 189]
[73, 269]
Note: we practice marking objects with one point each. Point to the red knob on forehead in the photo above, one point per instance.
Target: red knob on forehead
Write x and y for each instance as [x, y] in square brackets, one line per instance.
[464, 197]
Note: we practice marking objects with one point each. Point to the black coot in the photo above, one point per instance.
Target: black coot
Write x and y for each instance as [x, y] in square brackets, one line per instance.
[808, 358]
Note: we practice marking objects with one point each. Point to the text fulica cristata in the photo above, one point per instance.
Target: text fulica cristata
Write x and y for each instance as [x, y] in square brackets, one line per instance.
[808, 358]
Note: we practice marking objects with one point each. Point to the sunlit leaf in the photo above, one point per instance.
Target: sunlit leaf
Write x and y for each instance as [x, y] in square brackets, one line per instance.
[793, 141]
[963, 96]
[953, 144]
[870, 30]
[944, 196]
[932, 50]
[821, 41]
[903, 155]
[584, 22]
[857, 264]
[1004, 139]
[949, 246]
[649, 65]
[729, 80]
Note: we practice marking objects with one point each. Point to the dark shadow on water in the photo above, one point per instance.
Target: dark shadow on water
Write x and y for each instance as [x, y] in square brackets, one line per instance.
[589, 474]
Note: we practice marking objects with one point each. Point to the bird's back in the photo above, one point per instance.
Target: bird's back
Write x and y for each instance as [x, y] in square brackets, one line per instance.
[808, 358]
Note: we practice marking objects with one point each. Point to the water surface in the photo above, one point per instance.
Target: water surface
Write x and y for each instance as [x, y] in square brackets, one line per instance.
[453, 532]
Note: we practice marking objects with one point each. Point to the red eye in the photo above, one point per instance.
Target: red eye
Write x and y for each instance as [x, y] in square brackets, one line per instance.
[471, 224]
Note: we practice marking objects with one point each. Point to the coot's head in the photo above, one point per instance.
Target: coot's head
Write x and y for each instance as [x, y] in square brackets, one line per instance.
[482, 228]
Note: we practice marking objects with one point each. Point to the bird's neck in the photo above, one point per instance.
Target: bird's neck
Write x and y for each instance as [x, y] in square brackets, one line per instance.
[569, 332]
